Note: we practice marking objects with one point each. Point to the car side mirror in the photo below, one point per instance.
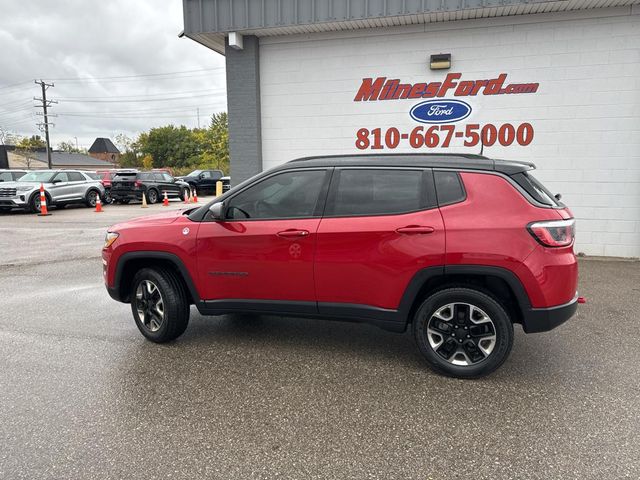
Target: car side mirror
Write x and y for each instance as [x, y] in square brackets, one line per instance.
[558, 196]
[217, 211]
[57, 180]
[201, 175]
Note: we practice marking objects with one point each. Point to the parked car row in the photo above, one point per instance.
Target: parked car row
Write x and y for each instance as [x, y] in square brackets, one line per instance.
[21, 188]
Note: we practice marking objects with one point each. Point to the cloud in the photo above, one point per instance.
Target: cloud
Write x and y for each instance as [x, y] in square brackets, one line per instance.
[65, 41]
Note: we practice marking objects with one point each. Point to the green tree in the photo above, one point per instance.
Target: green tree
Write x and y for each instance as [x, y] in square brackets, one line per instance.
[33, 142]
[171, 146]
[129, 149]
[70, 147]
[215, 143]
[147, 162]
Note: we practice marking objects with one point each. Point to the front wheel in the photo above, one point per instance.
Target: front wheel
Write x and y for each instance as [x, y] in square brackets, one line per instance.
[159, 304]
[91, 198]
[108, 199]
[463, 332]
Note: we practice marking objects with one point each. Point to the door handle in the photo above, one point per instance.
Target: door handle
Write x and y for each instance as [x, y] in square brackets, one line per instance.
[415, 230]
[292, 232]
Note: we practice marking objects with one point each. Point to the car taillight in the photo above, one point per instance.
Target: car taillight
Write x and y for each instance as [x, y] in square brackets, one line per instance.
[553, 233]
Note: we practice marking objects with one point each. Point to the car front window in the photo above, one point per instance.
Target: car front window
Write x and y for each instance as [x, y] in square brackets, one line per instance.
[43, 177]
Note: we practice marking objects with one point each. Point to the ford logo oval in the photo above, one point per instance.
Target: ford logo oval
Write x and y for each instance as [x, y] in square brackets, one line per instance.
[440, 111]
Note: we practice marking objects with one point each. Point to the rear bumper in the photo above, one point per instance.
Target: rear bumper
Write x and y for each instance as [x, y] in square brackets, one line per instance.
[126, 194]
[545, 319]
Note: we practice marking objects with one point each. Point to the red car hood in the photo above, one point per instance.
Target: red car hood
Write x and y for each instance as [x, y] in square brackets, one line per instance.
[164, 218]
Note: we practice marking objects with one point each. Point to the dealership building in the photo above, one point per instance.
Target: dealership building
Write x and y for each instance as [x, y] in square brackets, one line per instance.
[552, 82]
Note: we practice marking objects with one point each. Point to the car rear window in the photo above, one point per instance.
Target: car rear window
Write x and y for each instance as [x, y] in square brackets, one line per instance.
[448, 187]
[92, 175]
[535, 189]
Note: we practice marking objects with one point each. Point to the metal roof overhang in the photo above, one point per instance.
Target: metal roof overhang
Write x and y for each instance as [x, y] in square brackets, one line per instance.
[209, 21]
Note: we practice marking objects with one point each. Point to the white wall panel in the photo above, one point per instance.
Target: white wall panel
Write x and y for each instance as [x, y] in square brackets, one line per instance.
[586, 113]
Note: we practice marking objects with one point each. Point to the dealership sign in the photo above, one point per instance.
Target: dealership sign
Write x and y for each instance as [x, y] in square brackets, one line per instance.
[441, 113]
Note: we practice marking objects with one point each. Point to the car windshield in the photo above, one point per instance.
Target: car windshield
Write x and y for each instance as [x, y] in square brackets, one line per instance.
[195, 173]
[43, 177]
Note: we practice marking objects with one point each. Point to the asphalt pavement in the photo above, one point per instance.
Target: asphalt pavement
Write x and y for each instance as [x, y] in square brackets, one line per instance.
[84, 396]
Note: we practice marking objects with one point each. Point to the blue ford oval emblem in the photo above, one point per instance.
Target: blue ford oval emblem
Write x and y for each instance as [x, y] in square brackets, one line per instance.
[440, 111]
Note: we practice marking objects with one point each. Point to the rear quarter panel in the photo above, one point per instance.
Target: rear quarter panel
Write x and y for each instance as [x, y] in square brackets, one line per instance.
[490, 228]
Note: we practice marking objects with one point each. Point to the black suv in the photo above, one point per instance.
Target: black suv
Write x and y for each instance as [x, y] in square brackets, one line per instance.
[205, 180]
[127, 186]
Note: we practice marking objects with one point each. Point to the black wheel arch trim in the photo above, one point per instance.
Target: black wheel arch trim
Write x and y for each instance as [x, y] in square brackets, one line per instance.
[116, 291]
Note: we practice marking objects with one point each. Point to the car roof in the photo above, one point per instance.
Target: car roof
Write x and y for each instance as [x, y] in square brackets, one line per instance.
[423, 160]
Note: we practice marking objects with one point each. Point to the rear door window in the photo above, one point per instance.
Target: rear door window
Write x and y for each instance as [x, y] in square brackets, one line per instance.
[364, 192]
[75, 177]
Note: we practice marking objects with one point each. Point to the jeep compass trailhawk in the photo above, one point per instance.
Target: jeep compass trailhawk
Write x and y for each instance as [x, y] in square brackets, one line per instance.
[460, 247]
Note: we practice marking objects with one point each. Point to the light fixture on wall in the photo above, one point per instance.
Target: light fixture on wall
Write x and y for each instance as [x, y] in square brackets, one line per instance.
[440, 61]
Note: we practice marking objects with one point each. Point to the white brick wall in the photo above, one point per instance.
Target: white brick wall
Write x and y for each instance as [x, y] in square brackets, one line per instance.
[586, 113]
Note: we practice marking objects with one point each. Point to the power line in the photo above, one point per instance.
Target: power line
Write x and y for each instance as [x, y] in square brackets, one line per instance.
[137, 101]
[142, 95]
[144, 75]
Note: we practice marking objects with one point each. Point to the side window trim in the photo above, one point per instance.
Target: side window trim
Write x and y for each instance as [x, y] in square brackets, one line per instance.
[320, 201]
[427, 192]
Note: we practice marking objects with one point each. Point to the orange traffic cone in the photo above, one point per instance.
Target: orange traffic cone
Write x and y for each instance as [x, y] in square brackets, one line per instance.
[186, 197]
[195, 196]
[43, 203]
[165, 200]
[190, 196]
[144, 201]
[98, 204]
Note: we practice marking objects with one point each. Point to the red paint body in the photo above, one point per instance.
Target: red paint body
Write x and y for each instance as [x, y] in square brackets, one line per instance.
[359, 260]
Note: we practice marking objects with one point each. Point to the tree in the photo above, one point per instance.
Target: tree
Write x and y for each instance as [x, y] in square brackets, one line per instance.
[129, 149]
[147, 162]
[34, 142]
[171, 146]
[215, 143]
[70, 147]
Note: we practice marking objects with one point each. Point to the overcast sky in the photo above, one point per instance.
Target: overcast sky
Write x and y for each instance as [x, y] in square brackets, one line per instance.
[79, 44]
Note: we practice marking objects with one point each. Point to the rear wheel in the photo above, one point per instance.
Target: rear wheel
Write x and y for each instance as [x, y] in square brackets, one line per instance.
[463, 332]
[152, 196]
[159, 304]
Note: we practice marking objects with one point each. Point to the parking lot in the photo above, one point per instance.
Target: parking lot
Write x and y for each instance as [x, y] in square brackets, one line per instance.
[84, 395]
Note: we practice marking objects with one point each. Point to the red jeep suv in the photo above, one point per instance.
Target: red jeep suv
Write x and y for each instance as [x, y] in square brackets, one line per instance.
[460, 247]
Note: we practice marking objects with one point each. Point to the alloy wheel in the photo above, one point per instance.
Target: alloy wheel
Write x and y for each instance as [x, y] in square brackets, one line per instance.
[150, 305]
[461, 333]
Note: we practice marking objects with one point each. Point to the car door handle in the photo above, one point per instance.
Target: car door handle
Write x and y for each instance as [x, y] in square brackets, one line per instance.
[292, 232]
[415, 230]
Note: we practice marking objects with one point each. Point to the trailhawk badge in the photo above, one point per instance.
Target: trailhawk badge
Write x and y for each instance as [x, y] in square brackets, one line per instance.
[440, 111]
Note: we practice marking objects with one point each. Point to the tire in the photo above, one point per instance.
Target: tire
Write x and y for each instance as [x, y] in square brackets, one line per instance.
[152, 196]
[463, 333]
[34, 202]
[175, 305]
[107, 199]
[91, 198]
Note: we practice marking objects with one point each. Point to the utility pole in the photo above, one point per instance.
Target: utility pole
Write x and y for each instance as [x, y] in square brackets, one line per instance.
[45, 104]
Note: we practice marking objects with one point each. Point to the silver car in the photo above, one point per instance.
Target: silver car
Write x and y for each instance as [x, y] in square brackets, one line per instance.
[61, 187]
